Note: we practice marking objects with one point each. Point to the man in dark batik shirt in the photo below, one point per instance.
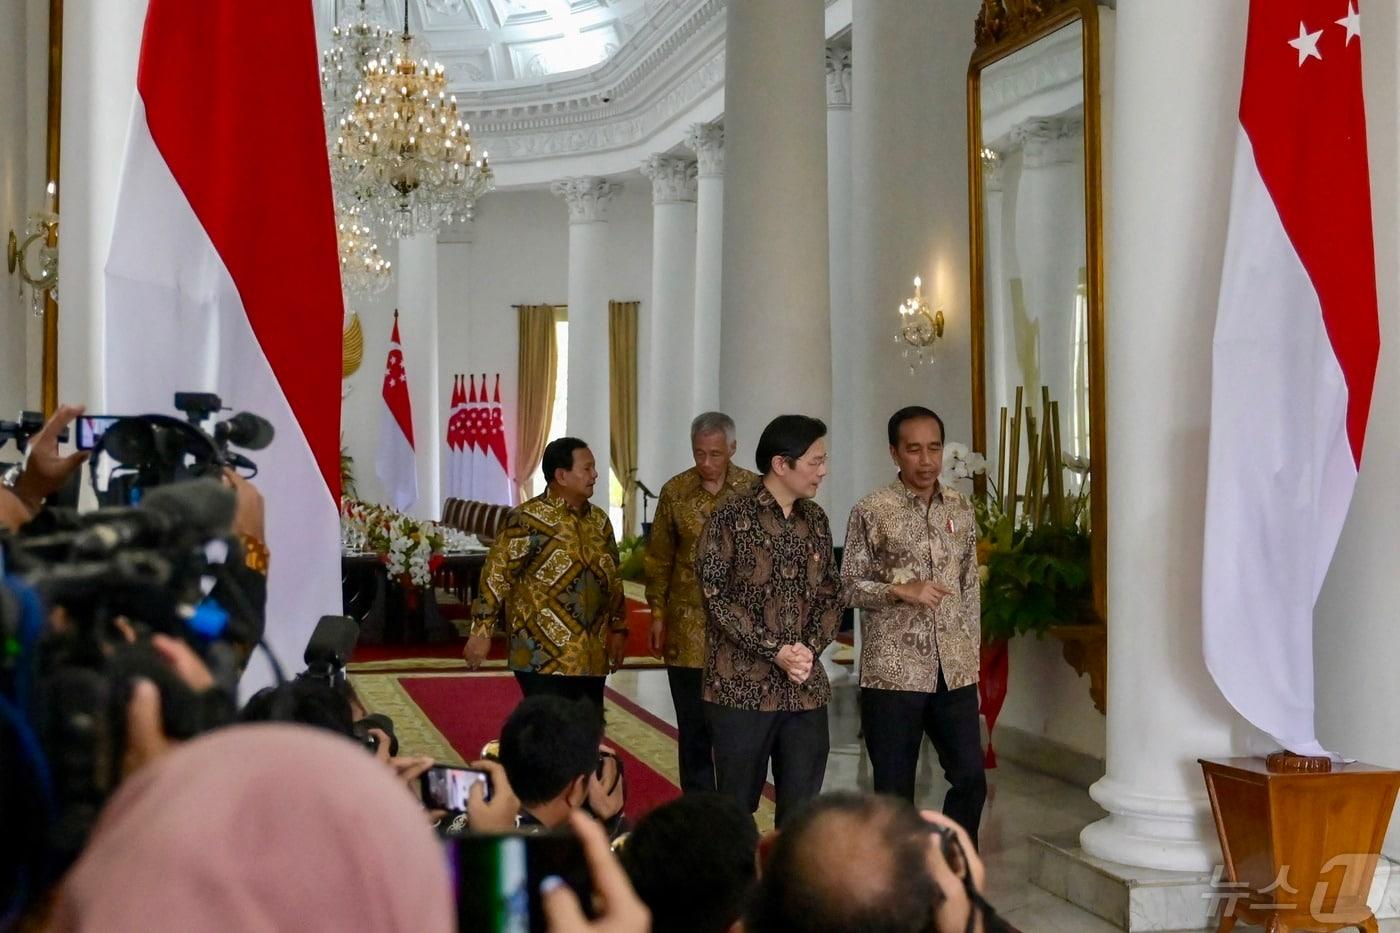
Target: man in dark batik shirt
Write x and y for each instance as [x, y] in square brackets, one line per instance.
[771, 595]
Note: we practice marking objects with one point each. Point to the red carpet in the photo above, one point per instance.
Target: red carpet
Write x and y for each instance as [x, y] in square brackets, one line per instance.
[469, 712]
[639, 654]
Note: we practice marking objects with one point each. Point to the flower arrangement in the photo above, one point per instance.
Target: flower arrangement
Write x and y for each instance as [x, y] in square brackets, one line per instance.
[1033, 544]
[410, 549]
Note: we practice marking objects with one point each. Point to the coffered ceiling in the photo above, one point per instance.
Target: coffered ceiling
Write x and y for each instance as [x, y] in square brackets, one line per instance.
[503, 43]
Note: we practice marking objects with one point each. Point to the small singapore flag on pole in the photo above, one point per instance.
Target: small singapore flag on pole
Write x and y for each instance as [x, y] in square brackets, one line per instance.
[394, 463]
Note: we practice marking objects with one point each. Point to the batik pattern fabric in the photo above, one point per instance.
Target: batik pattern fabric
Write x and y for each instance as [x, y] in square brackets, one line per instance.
[552, 577]
[767, 580]
[893, 537]
[673, 589]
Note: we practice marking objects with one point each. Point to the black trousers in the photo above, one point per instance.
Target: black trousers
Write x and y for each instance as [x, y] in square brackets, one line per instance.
[895, 722]
[744, 742]
[697, 765]
[570, 688]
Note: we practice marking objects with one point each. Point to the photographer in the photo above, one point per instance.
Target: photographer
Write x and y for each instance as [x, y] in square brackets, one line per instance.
[45, 471]
[920, 872]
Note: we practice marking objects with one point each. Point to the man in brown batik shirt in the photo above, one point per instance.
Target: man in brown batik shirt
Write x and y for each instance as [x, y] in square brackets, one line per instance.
[910, 561]
[771, 595]
[673, 589]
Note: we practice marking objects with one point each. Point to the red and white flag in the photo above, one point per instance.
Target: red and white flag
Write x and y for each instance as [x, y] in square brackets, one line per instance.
[456, 440]
[1296, 342]
[495, 485]
[223, 275]
[471, 456]
[394, 462]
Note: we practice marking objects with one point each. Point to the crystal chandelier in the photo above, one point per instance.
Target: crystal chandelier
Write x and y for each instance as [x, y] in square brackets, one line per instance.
[353, 46]
[401, 152]
[919, 325]
[363, 272]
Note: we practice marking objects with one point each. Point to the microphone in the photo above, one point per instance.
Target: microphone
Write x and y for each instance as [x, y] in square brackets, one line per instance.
[121, 528]
[245, 430]
[645, 491]
[198, 510]
[204, 507]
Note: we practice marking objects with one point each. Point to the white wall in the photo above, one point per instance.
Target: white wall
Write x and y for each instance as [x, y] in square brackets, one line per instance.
[362, 404]
[1357, 638]
[24, 72]
[518, 253]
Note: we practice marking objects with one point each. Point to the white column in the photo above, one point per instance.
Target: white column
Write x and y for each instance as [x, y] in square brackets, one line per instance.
[776, 328]
[844, 335]
[588, 198]
[668, 400]
[416, 279]
[1172, 145]
[101, 44]
[706, 140]
[909, 214]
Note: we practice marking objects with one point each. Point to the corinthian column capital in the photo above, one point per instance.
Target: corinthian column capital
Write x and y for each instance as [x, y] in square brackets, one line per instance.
[838, 78]
[672, 178]
[588, 197]
[706, 140]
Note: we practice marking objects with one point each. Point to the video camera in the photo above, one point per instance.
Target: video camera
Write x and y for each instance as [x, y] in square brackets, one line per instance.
[23, 428]
[331, 646]
[157, 450]
[80, 607]
[82, 598]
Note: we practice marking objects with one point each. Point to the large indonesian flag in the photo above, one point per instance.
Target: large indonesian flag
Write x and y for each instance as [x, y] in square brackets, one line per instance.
[1296, 342]
[223, 273]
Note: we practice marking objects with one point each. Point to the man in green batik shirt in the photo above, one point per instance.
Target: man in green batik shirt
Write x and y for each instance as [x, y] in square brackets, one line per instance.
[673, 590]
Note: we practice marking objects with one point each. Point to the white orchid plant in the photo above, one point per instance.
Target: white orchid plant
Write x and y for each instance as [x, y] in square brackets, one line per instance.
[961, 464]
[410, 549]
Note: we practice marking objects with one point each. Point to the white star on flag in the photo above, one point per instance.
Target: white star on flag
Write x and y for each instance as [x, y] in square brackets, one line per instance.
[1352, 22]
[1306, 44]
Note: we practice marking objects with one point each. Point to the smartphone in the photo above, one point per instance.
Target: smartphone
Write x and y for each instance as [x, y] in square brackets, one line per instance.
[497, 879]
[448, 788]
[91, 428]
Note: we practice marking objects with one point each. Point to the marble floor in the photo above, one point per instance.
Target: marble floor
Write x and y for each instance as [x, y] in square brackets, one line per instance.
[1020, 803]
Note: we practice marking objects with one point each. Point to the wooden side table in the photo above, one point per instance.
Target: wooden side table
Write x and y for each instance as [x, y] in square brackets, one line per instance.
[1300, 848]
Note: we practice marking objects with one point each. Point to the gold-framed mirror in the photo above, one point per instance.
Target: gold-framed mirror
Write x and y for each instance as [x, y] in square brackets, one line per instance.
[1036, 223]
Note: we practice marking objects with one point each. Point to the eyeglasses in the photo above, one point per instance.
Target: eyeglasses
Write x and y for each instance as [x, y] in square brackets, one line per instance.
[951, 847]
[816, 463]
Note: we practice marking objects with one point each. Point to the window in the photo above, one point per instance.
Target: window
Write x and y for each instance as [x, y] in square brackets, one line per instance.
[559, 418]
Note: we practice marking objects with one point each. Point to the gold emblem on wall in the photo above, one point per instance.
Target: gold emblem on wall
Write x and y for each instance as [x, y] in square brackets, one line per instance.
[352, 342]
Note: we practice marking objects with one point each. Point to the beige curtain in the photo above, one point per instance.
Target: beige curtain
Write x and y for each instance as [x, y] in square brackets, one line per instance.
[622, 344]
[539, 362]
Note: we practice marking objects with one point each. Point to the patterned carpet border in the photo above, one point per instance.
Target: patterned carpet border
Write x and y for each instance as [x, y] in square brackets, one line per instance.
[649, 738]
[457, 665]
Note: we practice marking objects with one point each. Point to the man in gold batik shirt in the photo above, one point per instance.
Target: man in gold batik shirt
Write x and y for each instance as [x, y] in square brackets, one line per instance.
[910, 562]
[673, 590]
[554, 572]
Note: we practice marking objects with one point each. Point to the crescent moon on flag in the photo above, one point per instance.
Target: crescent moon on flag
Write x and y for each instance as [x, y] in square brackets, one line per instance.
[352, 347]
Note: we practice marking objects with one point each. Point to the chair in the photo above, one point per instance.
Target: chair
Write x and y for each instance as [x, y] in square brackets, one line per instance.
[482, 519]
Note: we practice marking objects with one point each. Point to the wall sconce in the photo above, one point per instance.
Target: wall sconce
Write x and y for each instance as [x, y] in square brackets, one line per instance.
[919, 326]
[42, 229]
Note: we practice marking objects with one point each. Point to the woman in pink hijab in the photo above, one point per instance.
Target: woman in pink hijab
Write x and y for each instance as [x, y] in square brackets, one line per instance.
[260, 827]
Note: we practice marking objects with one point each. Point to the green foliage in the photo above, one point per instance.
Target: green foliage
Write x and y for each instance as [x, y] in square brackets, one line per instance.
[631, 552]
[1033, 576]
[347, 474]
